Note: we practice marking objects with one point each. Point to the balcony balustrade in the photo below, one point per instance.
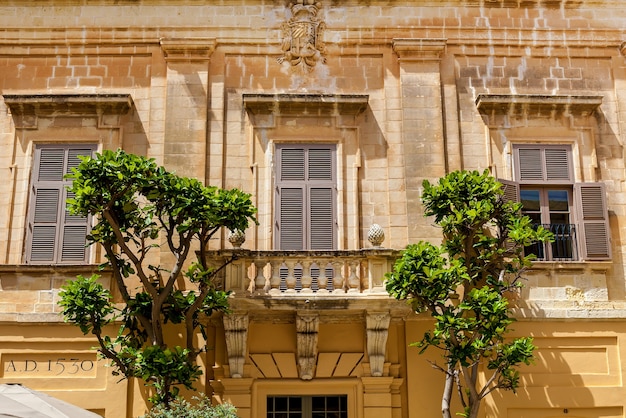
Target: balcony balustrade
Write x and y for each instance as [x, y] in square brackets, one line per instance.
[304, 273]
[563, 248]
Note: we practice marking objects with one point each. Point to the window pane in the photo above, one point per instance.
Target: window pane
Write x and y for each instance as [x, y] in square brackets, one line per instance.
[558, 200]
[559, 218]
[530, 200]
[280, 404]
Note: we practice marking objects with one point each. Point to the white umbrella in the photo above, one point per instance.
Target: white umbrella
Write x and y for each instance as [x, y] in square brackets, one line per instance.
[17, 401]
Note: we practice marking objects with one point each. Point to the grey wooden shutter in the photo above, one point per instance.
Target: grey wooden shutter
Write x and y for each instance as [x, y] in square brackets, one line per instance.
[291, 198]
[305, 196]
[74, 227]
[55, 236]
[321, 199]
[593, 226]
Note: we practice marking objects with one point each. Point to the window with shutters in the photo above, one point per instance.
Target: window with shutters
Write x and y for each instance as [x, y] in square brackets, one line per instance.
[575, 213]
[305, 179]
[54, 236]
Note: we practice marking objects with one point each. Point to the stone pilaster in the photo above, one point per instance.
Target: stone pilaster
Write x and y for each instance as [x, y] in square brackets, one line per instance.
[186, 104]
[380, 398]
[422, 118]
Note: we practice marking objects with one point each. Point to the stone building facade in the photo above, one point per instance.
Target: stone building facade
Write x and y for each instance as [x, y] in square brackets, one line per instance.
[331, 114]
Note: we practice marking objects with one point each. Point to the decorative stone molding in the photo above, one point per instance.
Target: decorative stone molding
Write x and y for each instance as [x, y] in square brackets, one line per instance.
[236, 329]
[305, 104]
[377, 324]
[410, 49]
[187, 49]
[536, 104]
[302, 43]
[307, 328]
[28, 108]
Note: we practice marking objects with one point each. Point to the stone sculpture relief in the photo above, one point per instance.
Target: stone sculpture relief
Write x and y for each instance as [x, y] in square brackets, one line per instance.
[302, 35]
[307, 326]
[377, 331]
[236, 330]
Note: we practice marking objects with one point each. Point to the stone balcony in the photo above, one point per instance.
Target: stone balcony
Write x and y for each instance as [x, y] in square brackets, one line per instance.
[301, 274]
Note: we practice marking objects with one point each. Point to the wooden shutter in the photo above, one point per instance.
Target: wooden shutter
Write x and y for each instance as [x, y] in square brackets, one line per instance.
[529, 164]
[306, 197]
[593, 226]
[55, 236]
[511, 190]
[321, 199]
[536, 164]
[291, 226]
[511, 194]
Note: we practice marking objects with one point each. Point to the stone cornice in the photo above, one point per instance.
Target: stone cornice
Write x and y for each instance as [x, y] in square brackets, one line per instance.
[187, 49]
[517, 104]
[306, 104]
[415, 49]
[76, 104]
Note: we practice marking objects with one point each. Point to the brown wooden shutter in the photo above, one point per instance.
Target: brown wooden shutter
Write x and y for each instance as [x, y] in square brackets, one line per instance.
[557, 162]
[538, 164]
[511, 190]
[55, 236]
[593, 227]
[306, 197]
[511, 194]
[529, 165]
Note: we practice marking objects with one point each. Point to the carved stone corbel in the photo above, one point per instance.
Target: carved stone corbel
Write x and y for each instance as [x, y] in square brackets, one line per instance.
[307, 327]
[377, 324]
[236, 329]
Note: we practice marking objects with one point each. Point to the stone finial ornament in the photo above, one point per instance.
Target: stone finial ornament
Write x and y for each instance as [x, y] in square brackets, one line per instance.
[236, 238]
[376, 235]
[302, 35]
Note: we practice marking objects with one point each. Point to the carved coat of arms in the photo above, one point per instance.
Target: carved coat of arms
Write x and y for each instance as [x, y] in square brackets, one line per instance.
[302, 36]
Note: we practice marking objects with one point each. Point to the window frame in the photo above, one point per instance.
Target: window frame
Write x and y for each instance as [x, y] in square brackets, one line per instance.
[65, 245]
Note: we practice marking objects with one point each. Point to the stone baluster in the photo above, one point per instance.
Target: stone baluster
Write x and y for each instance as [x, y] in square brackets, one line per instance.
[275, 277]
[260, 282]
[338, 278]
[290, 280]
[354, 282]
[322, 280]
[306, 279]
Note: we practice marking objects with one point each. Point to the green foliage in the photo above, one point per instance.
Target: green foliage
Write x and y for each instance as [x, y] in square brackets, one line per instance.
[86, 303]
[463, 283]
[201, 409]
[143, 209]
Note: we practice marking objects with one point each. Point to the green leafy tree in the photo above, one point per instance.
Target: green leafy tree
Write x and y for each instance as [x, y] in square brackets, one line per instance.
[463, 284]
[144, 212]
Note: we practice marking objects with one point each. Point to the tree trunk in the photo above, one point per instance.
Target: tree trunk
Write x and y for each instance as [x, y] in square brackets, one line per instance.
[474, 406]
[447, 393]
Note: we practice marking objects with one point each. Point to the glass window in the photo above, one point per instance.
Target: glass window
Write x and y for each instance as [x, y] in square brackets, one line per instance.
[331, 406]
